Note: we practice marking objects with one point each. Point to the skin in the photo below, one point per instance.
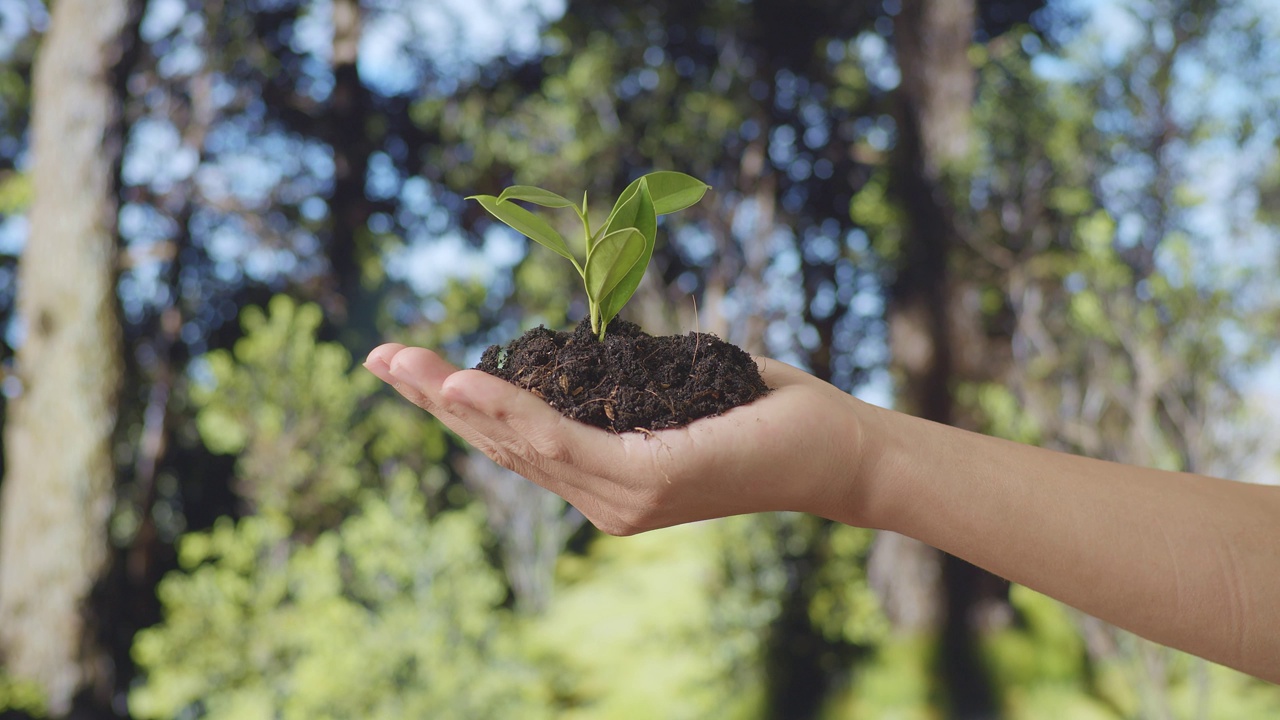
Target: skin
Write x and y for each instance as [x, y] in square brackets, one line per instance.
[1187, 561]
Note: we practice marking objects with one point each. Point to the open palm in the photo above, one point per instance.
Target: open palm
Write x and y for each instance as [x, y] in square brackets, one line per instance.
[782, 452]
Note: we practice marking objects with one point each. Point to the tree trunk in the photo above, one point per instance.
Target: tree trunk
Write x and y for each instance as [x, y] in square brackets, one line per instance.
[934, 332]
[59, 483]
[347, 130]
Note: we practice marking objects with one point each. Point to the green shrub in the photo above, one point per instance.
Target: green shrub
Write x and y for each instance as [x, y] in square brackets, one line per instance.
[391, 615]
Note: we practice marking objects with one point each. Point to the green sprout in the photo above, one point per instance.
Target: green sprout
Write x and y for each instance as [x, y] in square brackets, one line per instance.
[618, 252]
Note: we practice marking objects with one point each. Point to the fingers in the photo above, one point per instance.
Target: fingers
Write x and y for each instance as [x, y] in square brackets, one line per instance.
[486, 412]
[555, 437]
[418, 374]
[419, 385]
[511, 425]
[379, 361]
[623, 483]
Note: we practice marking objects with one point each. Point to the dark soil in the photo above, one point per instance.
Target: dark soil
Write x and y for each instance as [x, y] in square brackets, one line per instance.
[631, 380]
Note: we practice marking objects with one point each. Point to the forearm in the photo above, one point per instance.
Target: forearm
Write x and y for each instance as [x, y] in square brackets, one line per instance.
[1184, 560]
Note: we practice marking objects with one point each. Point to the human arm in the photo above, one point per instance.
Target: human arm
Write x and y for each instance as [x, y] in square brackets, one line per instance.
[1187, 561]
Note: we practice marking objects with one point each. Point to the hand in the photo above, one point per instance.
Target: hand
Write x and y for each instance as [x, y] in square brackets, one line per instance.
[1184, 560]
[798, 448]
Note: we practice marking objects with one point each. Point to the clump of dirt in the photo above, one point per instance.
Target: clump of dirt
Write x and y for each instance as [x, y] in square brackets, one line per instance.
[631, 380]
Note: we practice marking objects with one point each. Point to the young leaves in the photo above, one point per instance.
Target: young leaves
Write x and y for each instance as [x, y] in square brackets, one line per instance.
[610, 260]
[637, 212]
[671, 191]
[617, 254]
[528, 224]
[535, 195]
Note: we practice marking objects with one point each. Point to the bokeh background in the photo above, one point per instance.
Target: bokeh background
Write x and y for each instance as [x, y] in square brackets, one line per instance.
[1053, 221]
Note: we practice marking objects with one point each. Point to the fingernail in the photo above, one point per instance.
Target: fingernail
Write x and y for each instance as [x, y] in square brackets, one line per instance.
[453, 393]
[398, 372]
[376, 364]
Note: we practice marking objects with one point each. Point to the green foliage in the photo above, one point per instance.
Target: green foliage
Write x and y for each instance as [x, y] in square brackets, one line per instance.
[21, 696]
[1121, 354]
[618, 252]
[659, 628]
[998, 406]
[1233, 695]
[843, 606]
[1040, 663]
[15, 193]
[391, 615]
[291, 410]
[344, 596]
[894, 682]
[391, 611]
[883, 220]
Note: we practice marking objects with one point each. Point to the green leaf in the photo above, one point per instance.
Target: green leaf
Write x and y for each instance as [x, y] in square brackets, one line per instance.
[671, 191]
[527, 224]
[611, 259]
[625, 203]
[646, 221]
[535, 195]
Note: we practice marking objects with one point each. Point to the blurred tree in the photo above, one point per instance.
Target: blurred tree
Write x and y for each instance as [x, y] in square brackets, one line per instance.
[939, 333]
[389, 615]
[349, 526]
[60, 471]
[244, 174]
[349, 133]
[301, 445]
[935, 336]
[1131, 335]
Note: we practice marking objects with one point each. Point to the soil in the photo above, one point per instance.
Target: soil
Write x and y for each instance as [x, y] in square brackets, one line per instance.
[631, 380]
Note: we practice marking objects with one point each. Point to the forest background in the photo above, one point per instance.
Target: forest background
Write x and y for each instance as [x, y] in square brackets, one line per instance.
[1053, 221]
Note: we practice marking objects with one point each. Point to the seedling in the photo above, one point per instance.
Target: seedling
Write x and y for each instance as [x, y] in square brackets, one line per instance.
[616, 253]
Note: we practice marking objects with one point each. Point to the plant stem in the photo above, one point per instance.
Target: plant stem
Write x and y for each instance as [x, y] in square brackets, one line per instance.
[591, 302]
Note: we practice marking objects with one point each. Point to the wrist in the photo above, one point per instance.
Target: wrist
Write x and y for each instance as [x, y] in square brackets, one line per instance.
[873, 474]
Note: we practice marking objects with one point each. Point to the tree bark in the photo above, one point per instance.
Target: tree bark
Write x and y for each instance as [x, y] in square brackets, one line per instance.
[935, 332]
[59, 482]
[348, 131]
